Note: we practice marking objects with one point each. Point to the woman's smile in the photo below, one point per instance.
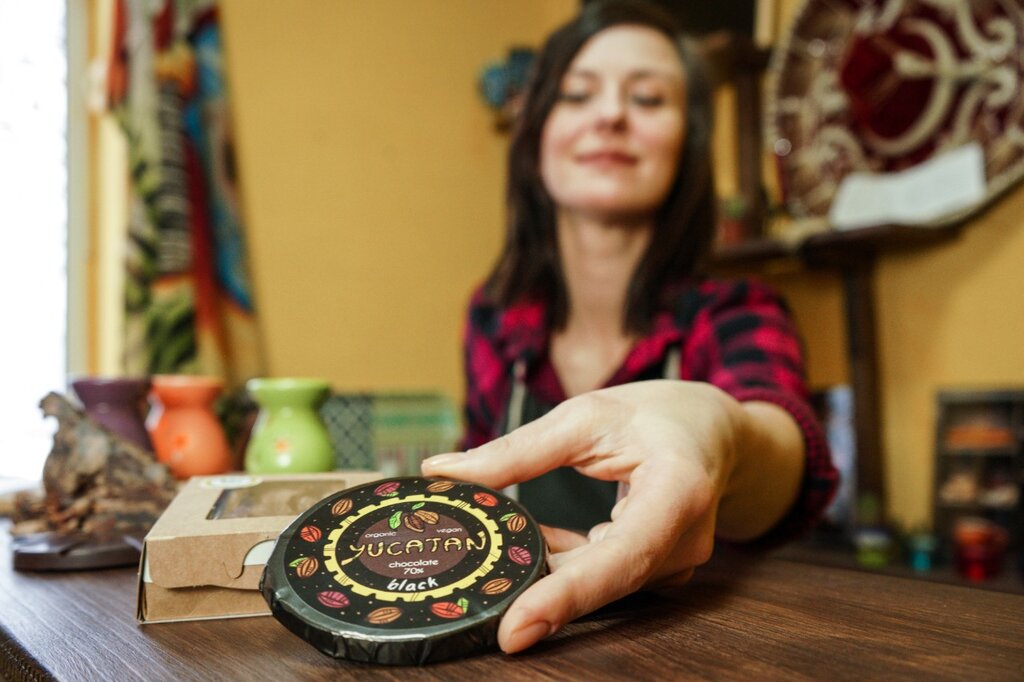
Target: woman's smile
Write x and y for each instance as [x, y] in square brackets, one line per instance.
[609, 158]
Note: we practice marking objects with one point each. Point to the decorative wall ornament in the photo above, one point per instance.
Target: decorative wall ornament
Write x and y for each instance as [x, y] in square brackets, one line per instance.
[501, 84]
[884, 85]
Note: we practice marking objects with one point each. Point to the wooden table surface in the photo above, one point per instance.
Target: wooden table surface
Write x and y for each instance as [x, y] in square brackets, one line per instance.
[740, 618]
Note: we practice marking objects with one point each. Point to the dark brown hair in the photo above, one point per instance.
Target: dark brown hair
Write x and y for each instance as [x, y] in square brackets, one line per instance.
[529, 265]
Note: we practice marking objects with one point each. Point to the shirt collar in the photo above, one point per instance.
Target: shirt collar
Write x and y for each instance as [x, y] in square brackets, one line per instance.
[523, 333]
[523, 330]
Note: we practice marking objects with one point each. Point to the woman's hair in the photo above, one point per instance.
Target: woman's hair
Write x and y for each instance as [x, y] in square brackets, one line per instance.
[529, 264]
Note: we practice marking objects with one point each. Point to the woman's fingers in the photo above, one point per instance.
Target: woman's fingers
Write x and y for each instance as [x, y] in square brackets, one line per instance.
[677, 579]
[554, 440]
[594, 575]
[561, 539]
[630, 551]
[597, 533]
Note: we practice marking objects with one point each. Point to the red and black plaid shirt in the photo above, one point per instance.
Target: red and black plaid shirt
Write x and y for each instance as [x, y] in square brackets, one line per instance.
[738, 336]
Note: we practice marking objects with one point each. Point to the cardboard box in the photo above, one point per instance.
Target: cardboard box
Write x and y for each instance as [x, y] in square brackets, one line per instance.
[204, 556]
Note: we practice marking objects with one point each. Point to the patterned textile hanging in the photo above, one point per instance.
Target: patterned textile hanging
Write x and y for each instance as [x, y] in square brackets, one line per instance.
[189, 307]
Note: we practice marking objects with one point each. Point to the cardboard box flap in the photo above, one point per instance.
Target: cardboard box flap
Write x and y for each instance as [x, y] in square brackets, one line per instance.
[205, 560]
[156, 604]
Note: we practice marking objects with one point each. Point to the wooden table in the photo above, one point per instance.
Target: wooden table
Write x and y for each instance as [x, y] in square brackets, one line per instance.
[740, 618]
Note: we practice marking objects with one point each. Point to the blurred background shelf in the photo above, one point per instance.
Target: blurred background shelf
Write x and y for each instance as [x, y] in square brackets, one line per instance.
[1010, 580]
[833, 248]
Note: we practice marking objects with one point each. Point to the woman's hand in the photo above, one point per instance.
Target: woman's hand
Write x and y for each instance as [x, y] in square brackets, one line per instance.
[675, 444]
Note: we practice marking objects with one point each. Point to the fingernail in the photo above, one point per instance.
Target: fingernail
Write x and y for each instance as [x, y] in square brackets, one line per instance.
[528, 635]
[440, 460]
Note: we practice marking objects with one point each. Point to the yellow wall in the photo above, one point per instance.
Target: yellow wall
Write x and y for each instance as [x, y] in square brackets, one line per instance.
[372, 177]
[948, 317]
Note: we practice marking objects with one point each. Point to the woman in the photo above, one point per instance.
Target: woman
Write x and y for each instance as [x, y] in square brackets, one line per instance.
[658, 409]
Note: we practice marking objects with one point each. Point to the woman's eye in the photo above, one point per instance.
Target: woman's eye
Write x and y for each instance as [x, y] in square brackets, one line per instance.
[644, 100]
[573, 96]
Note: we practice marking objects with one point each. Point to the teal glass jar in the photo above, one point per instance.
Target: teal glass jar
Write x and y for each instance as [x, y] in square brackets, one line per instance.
[289, 435]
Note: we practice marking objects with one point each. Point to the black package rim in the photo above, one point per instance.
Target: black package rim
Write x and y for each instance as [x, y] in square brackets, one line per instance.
[325, 584]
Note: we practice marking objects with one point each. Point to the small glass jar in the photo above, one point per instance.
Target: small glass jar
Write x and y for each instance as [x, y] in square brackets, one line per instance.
[874, 547]
[980, 548]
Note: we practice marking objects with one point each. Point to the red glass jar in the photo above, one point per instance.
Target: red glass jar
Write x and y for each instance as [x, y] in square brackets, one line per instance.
[980, 548]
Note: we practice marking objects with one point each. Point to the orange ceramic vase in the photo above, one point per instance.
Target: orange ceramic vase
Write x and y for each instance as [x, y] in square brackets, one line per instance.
[186, 434]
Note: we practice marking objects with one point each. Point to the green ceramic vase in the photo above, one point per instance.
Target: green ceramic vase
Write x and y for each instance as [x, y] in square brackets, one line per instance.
[289, 436]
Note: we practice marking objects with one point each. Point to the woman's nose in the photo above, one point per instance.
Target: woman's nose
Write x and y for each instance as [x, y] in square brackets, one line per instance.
[611, 110]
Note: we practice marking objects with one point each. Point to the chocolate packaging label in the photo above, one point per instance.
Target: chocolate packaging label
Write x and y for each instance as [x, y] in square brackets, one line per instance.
[407, 554]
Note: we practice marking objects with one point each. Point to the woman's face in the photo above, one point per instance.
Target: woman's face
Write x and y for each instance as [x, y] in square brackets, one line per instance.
[611, 144]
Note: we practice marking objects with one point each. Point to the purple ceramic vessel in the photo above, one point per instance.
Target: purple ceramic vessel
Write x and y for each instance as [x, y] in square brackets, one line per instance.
[118, 404]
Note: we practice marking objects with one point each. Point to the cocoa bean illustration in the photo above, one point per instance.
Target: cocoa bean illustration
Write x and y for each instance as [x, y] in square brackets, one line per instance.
[447, 609]
[307, 567]
[496, 586]
[341, 507]
[310, 533]
[413, 523]
[332, 599]
[386, 489]
[427, 516]
[485, 499]
[440, 486]
[385, 614]
[516, 523]
[520, 555]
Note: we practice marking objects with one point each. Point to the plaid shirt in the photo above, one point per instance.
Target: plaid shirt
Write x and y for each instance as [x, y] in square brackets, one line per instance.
[737, 336]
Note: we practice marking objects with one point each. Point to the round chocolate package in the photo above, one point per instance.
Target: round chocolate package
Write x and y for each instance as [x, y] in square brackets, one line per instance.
[403, 571]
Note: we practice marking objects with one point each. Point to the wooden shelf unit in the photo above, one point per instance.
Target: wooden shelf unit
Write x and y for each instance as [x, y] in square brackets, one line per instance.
[979, 468]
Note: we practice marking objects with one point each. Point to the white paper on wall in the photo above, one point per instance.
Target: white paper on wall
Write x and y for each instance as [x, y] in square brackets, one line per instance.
[943, 185]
